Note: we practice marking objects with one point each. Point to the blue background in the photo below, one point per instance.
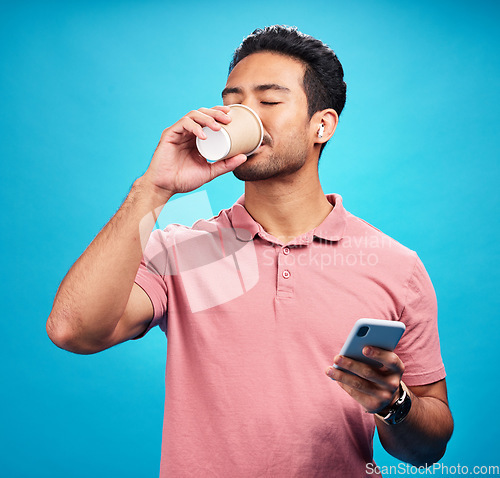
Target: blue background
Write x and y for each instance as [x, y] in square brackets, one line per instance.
[86, 90]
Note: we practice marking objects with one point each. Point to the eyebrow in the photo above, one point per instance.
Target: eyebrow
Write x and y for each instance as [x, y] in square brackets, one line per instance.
[271, 86]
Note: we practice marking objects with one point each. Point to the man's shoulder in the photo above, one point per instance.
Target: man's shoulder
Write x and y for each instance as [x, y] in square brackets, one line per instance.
[200, 226]
[222, 219]
[360, 230]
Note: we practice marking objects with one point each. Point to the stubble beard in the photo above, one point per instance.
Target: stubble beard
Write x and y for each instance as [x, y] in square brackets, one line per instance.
[276, 164]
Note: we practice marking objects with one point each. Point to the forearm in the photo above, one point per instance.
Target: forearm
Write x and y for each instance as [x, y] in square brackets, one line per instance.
[422, 437]
[93, 295]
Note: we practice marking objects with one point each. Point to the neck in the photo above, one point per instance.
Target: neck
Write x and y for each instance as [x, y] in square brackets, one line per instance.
[287, 207]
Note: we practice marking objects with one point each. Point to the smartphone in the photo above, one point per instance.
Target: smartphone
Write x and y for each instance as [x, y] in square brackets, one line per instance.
[384, 334]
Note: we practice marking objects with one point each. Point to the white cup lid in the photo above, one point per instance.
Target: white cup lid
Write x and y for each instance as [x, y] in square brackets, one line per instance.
[216, 146]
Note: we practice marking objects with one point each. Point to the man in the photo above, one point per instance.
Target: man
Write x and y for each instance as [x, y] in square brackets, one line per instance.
[257, 301]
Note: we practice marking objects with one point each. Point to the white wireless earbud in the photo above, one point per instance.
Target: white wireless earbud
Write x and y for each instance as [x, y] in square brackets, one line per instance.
[321, 130]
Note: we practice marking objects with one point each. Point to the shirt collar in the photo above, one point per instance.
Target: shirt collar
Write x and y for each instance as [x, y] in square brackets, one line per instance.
[331, 229]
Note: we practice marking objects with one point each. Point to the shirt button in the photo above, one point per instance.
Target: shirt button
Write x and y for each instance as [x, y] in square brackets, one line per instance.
[286, 251]
[286, 274]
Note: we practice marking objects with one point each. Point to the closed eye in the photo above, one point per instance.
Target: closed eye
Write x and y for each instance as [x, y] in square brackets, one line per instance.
[270, 102]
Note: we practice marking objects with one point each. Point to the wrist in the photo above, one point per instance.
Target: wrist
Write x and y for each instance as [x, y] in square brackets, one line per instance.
[395, 398]
[154, 194]
[399, 409]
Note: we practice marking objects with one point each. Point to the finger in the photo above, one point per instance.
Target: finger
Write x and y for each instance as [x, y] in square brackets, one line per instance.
[355, 382]
[189, 125]
[370, 403]
[219, 113]
[204, 119]
[224, 108]
[210, 117]
[226, 165]
[176, 134]
[372, 397]
[390, 361]
[369, 372]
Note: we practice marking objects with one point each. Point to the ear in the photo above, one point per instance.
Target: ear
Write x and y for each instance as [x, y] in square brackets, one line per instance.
[323, 125]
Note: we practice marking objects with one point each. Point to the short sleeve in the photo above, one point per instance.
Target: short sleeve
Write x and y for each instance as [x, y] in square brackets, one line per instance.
[151, 278]
[419, 348]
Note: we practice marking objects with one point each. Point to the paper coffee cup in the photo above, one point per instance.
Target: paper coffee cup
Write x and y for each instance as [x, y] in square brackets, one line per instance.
[243, 135]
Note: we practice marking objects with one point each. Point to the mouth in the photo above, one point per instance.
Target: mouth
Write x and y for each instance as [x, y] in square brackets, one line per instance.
[258, 150]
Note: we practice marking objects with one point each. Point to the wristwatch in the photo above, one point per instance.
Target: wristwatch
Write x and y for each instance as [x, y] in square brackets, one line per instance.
[400, 409]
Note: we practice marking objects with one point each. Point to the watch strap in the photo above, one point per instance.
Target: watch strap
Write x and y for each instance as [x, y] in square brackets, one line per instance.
[400, 408]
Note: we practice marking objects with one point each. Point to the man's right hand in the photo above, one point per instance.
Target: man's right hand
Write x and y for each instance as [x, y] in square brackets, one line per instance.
[177, 166]
[98, 304]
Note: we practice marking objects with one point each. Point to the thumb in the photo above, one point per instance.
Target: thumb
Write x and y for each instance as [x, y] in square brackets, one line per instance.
[226, 165]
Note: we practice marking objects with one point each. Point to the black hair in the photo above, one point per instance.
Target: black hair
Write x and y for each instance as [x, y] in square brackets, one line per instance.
[324, 84]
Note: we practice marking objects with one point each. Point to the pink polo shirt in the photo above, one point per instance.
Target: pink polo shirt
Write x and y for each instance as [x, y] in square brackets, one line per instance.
[252, 325]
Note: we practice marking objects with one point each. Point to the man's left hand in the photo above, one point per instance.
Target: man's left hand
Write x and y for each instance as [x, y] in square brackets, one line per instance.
[374, 388]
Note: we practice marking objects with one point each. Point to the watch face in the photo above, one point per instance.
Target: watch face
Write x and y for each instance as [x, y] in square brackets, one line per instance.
[402, 410]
